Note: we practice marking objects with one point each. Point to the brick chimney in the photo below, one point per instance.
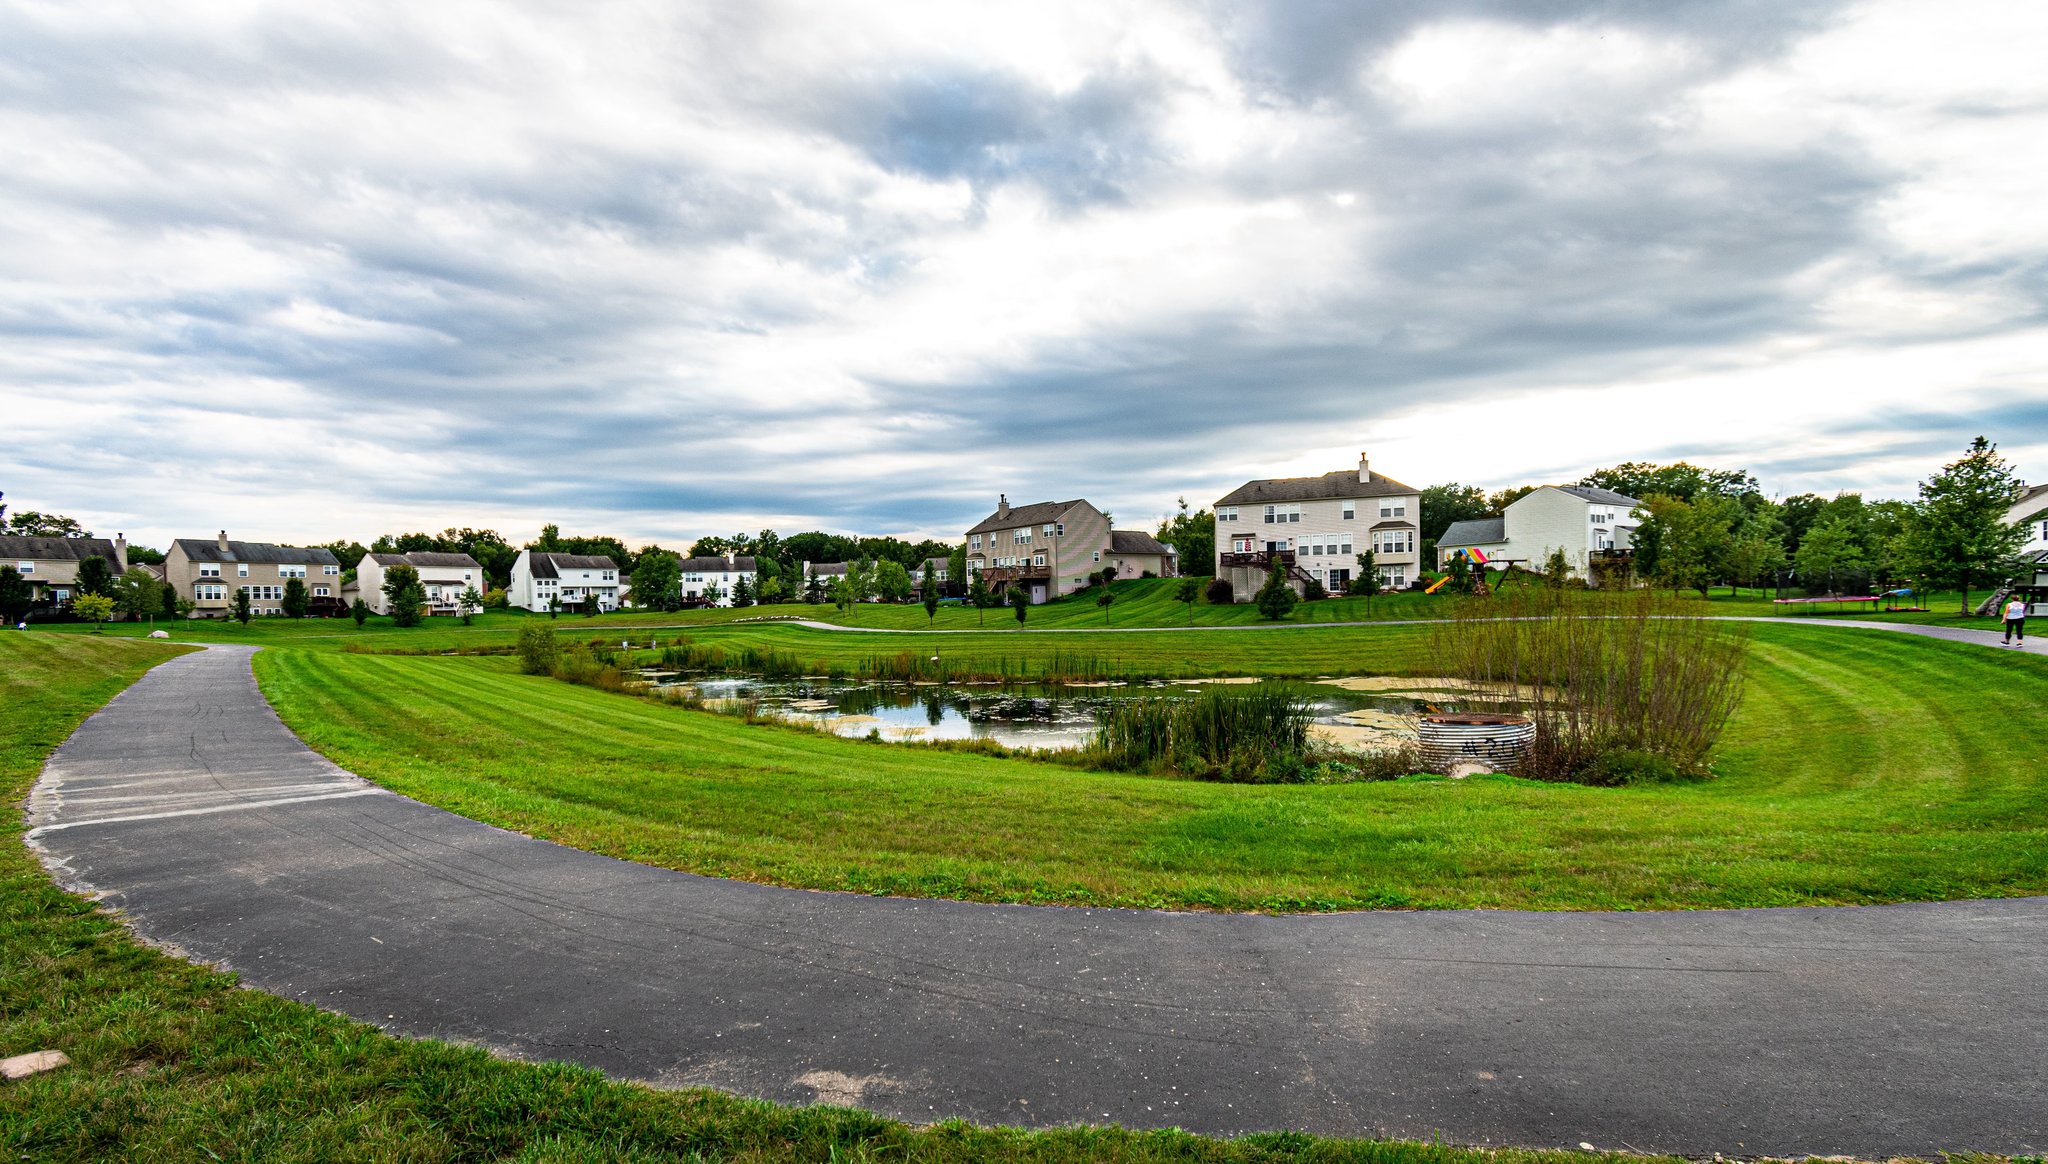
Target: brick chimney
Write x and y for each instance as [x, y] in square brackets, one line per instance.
[121, 551]
[222, 541]
[1364, 469]
[1002, 505]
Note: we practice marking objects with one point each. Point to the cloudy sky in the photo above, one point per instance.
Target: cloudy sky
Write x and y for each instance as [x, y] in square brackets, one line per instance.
[307, 271]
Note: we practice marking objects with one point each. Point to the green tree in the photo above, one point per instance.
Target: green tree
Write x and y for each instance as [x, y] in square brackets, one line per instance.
[1498, 502]
[138, 594]
[1188, 589]
[1276, 598]
[1103, 600]
[360, 611]
[1557, 569]
[743, 591]
[30, 524]
[408, 597]
[657, 581]
[1444, 504]
[891, 581]
[1686, 482]
[1830, 547]
[980, 598]
[1020, 600]
[95, 576]
[1193, 536]
[538, 651]
[239, 607]
[472, 602]
[16, 595]
[929, 587]
[814, 589]
[296, 601]
[956, 569]
[168, 600]
[1368, 580]
[93, 608]
[1958, 533]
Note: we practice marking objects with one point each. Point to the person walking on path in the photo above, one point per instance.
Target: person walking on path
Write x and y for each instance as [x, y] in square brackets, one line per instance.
[2016, 621]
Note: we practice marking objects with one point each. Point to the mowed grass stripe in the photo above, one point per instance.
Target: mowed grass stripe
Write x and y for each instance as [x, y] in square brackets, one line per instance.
[1861, 767]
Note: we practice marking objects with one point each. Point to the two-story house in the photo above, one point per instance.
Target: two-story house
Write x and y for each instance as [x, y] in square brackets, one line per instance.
[1579, 519]
[1049, 548]
[445, 578]
[1316, 527]
[543, 581]
[707, 576]
[2031, 511]
[207, 572]
[50, 565]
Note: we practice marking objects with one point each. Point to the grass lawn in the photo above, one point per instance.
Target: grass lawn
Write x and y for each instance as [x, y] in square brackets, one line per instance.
[1862, 767]
[171, 1062]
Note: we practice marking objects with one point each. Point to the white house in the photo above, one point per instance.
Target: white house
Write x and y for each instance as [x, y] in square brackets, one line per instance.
[1315, 527]
[703, 576]
[541, 580]
[444, 577]
[1578, 519]
[2031, 511]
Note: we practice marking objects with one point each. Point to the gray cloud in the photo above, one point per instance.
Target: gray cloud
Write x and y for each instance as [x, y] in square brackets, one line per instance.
[720, 267]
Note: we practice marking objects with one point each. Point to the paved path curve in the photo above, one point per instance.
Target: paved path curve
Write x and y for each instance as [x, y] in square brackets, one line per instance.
[1895, 1029]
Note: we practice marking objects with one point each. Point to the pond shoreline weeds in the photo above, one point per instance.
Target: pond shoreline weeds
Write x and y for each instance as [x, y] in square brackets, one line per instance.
[1359, 714]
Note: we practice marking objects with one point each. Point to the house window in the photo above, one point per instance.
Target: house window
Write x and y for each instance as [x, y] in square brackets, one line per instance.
[291, 571]
[241, 569]
[1344, 545]
[1098, 555]
[1394, 508]
[1276, 514]
[1038, 559]
[330, 571]
[1021, 537]
[25, 568]
[1059, 529]
[1601, 518]
[1350, 510]
[319, 591]
[209, 592]
[973, 541]
[1226, 513]
[209, 571]
[1047, 531]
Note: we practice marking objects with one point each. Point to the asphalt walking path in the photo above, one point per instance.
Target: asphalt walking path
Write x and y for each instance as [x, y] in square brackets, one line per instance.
[1902, 1029]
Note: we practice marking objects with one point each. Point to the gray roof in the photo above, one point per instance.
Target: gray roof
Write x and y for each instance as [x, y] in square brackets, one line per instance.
[826, 569]
[1135, 541]
[547, 565]
[1328, 487]
[429, 558]
[56, 549]
[718, 565]
[208, 550]
[1478, 532]
[1599, 496]
[2038, 493]
[1394, 523]
[1038, 513]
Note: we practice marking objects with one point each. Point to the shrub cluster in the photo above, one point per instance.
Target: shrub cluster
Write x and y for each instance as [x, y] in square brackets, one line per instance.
[1255, 735]
[1623, 688]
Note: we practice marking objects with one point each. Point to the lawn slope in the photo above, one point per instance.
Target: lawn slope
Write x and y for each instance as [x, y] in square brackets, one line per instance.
[1863, 767]
[172, 1063]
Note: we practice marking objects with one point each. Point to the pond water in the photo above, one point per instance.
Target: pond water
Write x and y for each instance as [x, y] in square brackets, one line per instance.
[1054, 717]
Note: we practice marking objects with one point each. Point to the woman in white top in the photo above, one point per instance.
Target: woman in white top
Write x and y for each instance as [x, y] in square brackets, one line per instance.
[2016, 621]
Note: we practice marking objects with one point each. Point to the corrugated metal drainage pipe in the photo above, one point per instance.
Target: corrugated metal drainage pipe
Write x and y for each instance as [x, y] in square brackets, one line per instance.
[1491, 741]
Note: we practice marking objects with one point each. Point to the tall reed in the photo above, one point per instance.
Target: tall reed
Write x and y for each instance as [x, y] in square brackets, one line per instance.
[1249, 733]
[1600, 673]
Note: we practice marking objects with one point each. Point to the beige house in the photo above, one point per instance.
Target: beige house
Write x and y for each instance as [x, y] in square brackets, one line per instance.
[443, 576]
[50, 565]
[1049, 548]
[207, 572]
[1583, 521]
[1136, 553]
[1315, 528]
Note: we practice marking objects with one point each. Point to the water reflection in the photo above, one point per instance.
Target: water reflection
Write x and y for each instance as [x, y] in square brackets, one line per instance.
[1037, 717]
